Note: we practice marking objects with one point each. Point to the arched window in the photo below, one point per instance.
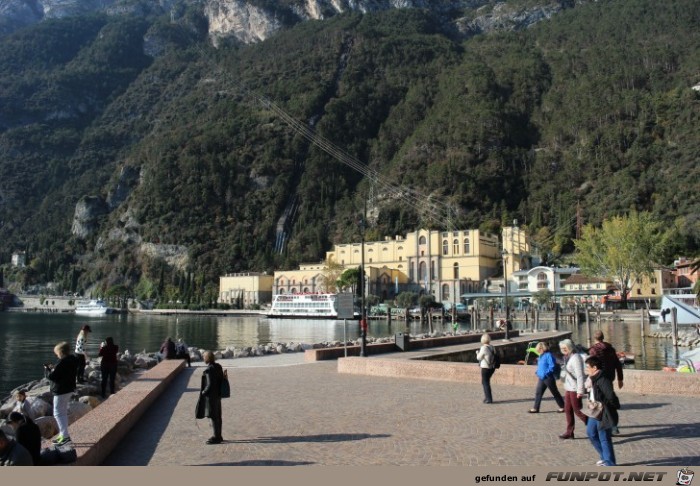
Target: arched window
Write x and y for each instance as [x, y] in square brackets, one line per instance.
[422, 271]
[445, 292]
[306, 290]
[455, 271]
[421, 240]
[466, 246]
[455, 246]
[445, 247]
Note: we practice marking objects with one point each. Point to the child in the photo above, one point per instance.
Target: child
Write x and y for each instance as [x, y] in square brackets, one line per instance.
[22, 405]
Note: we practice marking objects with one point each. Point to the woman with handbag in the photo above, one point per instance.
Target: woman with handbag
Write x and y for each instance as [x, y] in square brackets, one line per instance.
[601, 410]
[209, 404]
[574, 378]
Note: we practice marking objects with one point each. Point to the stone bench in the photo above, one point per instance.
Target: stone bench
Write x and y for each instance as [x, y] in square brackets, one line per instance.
[97, 434]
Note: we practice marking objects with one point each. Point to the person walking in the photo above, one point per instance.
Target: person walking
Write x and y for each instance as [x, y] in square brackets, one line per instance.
[485, 356]
[27, 434]
[612, 366]
[547, 376]
[108, 365]
[600, 430]
[574, 386]
[209, 404]
[62, 377]
[80, 353]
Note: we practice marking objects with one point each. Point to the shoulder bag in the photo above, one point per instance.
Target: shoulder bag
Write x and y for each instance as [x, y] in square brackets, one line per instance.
[225, 386]
[593, 408]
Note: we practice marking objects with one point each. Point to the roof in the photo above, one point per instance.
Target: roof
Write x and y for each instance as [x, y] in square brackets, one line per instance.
[578, 278]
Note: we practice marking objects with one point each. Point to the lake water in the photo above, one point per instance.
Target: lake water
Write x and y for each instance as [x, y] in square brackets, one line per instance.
[28, 338]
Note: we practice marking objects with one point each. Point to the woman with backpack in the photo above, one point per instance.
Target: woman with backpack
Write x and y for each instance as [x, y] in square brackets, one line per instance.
[574, 378]
[547, 375]
[486, 357]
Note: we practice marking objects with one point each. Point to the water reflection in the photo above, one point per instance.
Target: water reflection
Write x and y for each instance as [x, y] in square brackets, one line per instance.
[28, 339]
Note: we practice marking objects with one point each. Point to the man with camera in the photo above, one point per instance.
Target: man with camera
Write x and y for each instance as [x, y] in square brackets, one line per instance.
[62, 376]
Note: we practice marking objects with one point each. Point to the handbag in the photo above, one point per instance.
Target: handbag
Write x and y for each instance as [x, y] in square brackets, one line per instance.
[593, 408]
[225, 386]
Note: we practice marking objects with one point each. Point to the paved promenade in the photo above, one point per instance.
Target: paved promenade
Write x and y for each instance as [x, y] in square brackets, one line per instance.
[287, 412]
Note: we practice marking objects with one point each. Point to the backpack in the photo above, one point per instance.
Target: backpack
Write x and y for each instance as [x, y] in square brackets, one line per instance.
[557, 369]
[496, 362]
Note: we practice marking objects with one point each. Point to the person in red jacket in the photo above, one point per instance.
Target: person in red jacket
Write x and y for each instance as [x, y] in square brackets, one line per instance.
[611, 366]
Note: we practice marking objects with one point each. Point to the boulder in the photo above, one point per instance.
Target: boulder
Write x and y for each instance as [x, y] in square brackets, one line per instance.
[281, 348]
[228, 353]
[90, 400]
[40, 407]
[47, 426]
[77, 410]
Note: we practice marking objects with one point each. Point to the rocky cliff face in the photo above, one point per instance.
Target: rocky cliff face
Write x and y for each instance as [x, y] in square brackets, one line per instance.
[248, 22]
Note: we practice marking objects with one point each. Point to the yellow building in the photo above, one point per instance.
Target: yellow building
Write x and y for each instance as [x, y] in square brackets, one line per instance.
[444, 264]
[245, 289]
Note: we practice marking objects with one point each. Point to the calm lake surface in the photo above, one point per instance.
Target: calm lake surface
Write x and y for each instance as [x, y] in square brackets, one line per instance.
[28, 338]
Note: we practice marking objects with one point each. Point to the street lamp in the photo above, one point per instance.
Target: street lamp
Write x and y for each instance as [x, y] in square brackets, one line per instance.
[363, 315]
[556, 307]
[505, 290]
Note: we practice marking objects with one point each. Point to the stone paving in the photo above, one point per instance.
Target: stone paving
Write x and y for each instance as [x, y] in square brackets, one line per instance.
[286, 412]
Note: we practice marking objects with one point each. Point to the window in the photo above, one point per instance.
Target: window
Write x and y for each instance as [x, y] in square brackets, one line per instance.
[455, 247]
[466, 246]
[455, 271]
[422, 271]
[432, 270]
[542, 282]
[421, 240]
[445, 248]
[445, 292]
[639, 291]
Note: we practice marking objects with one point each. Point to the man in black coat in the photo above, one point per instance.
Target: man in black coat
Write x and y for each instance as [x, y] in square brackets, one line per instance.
[27, 433]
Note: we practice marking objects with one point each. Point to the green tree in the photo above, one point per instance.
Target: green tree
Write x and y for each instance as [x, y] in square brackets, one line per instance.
[348, 280]
[331, 274]
[624, 249]
[406, 299]
[542, 297]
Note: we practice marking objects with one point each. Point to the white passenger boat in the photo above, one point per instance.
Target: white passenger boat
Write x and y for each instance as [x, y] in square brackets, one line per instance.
[304, 306]
[92, 308]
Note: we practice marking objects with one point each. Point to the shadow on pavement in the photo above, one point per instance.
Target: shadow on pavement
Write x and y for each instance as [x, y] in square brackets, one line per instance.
[286, 439]
[678, 431]
[668, 461]
[641, 406]
[261, 462]
[156, 418]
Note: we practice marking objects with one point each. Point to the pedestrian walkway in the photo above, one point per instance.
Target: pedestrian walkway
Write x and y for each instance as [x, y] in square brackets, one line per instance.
[285, 411]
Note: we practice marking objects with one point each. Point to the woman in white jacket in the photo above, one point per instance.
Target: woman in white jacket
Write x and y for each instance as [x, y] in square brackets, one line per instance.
[485, 356]
[574, 378]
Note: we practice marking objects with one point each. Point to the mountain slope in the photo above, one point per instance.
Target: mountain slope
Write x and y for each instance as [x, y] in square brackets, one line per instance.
[174, 163]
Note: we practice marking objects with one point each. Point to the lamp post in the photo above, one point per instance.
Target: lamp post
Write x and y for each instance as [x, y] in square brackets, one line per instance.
[363, 314]
[505, 290]
[556, 307]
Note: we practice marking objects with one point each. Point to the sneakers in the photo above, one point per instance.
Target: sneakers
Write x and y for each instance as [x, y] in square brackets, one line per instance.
[60, 440]
[615, 431]
[214, 440]
[600, 463]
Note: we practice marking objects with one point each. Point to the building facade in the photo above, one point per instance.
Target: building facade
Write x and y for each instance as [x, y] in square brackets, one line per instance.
[244, 290]
[444, 264]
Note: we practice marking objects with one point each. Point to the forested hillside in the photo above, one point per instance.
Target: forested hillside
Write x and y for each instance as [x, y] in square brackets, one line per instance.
[594, 108]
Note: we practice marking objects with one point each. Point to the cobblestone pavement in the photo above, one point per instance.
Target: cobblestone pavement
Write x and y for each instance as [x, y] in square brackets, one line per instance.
[287, 412]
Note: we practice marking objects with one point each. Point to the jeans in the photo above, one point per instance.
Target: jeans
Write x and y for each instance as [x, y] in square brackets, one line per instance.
[60, 412]
[602, 441]
[486, 374]
[551, 383]
[572, 409]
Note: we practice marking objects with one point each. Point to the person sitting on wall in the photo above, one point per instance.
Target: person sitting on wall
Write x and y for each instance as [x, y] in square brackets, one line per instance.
[182, 352]
[167, 349]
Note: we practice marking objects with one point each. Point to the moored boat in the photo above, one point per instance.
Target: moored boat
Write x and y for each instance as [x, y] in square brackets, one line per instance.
[304, 306]
[93, 307]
